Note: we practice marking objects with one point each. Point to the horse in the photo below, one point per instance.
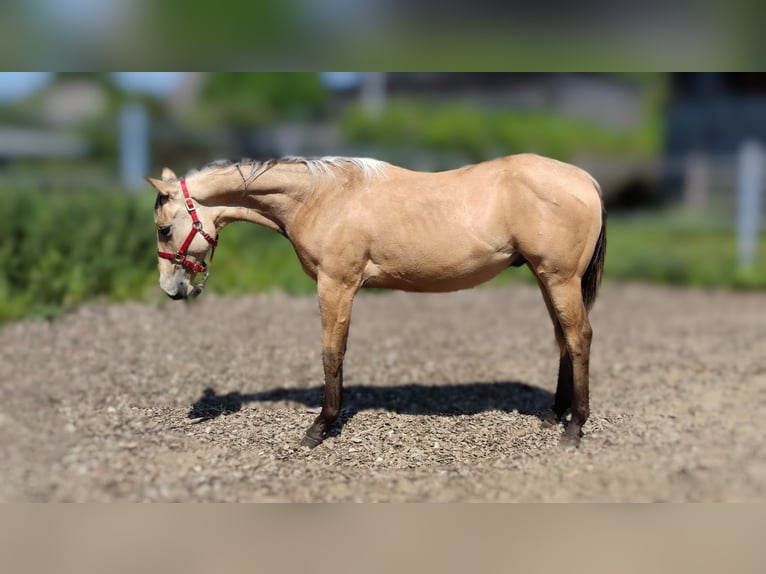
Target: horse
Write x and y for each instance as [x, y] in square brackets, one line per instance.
[359, 222]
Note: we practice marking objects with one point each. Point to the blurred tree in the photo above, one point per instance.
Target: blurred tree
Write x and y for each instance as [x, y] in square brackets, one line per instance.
[256, 99]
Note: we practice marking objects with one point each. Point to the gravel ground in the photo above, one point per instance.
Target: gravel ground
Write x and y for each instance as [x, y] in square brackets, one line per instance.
[207, 401]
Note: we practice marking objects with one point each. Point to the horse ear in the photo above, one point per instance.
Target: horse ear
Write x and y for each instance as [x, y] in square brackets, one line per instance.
[168, 174]
[164, 187]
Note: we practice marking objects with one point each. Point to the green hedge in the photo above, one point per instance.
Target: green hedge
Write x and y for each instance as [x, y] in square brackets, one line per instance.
[58, 249]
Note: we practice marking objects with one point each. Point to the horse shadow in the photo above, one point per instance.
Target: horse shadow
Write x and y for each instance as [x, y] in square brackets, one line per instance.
[411, 398]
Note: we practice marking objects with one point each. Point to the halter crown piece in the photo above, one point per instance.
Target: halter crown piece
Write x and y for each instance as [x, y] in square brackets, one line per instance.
[180, 257]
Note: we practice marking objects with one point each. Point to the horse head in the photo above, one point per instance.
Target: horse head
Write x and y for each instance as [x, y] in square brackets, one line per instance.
[182, 242]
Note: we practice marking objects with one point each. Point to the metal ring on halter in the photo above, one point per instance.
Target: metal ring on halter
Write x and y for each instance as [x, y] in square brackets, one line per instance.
[197, 291]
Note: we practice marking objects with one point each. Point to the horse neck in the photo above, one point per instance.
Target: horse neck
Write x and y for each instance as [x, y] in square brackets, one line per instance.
[272, 199]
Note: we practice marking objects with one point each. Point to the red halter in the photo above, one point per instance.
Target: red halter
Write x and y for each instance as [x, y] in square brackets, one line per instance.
[179, 257]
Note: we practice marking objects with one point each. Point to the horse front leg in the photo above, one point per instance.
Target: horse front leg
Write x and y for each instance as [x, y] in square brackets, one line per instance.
[335, 301]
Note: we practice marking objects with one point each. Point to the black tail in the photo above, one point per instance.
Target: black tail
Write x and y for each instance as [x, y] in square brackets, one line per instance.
[591, 279]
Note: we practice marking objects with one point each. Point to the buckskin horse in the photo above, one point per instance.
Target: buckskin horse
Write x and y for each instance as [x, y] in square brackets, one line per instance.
[361, 222]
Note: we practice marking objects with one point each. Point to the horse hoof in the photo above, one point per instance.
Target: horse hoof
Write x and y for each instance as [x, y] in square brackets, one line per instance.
[310, 442]
[569, 441]
[551, 420]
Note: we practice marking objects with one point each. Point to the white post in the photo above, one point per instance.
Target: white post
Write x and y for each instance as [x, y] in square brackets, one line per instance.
[749, 186]
[134, 145]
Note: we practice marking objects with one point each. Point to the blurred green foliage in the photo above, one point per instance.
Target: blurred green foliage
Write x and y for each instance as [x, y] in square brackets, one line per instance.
[674, 248]
[255, 100]
[139, 34]
[480, 133]
[59, 249]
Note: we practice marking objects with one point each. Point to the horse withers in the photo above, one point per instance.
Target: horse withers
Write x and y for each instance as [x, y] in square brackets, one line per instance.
[362, 222]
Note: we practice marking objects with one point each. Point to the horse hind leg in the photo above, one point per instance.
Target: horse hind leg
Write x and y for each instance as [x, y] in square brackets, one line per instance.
[570, 309]
[574, 333]
[563, 398]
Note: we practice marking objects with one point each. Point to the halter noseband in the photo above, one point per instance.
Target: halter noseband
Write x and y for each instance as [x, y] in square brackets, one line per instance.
[180, 257]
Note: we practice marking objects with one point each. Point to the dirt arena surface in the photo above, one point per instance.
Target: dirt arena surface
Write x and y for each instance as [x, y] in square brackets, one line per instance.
[207, 401]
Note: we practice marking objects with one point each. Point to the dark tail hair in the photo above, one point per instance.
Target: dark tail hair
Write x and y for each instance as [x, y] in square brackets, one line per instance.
[591, 279]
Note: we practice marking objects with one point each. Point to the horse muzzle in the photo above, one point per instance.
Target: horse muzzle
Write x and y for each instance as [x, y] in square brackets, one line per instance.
[180, 287]
[177, 296]
[175, 283]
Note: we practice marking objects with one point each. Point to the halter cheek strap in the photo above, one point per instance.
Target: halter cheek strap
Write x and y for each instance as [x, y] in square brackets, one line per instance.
[180, 257]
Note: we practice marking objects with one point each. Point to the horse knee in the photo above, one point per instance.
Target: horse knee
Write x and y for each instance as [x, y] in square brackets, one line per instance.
[332, 360]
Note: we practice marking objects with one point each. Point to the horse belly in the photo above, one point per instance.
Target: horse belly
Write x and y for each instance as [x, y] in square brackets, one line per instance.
[435, 272]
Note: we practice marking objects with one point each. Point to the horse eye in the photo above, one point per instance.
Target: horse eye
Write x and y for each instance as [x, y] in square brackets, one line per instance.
[164, 231]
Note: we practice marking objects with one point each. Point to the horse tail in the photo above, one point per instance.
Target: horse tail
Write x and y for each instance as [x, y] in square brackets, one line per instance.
[591, 279]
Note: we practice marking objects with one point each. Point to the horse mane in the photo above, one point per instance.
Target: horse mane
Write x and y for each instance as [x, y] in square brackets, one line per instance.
[327, 165]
